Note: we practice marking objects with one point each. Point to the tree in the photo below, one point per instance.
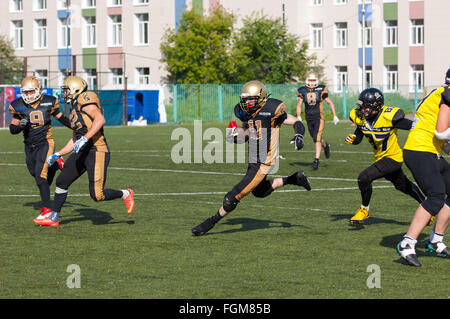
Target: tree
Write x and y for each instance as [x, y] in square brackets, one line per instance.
[11, 67]
[201, 51]
[275, 56]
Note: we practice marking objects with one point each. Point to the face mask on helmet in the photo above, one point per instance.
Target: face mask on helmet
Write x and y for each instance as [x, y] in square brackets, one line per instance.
[30, 90]
[370, 103]
[312, 80]
[72, 87]
[253, 96]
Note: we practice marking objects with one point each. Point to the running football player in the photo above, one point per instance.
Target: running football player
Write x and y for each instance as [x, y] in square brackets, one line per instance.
[430, 131]
[379, 124]
[313, 95]
[261, 119]
[90, 151]
[32, 115]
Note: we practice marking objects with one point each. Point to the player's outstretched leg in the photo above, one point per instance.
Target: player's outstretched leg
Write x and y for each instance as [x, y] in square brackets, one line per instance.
[206, 225]
[299, 178]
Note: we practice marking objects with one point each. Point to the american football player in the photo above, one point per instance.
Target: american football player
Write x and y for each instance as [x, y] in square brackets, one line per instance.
[261, 119]
[379, 124]
[32, 115]
[313, 94]
[90, 151]
[431, 171]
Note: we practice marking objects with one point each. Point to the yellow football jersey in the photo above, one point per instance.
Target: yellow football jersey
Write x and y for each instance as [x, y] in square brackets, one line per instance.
[381, 134]
[421, 136]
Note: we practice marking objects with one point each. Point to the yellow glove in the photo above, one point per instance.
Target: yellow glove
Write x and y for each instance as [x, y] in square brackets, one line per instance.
[350, 138]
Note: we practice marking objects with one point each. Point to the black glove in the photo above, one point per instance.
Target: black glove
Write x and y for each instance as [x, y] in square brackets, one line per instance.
[23, 123]
[297, 140]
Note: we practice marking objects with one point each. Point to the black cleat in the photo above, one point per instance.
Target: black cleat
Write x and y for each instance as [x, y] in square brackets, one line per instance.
[315, 164]
[303, 180]
[203, 228]
[439, 248]
[326, 149]
[408, 254]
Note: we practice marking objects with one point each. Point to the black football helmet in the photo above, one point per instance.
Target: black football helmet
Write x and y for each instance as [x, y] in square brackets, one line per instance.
[447, 77]
[370, 102]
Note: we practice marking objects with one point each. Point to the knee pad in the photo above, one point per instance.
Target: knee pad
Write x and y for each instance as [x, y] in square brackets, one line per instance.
[364, 181]
[229, 203]
[434, 203]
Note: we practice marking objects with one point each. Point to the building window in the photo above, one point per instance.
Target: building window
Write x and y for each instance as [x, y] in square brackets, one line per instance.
[64, 33]
[141, 29]
[114, 3]
[140, 2]
[143, 75]
[40, 5]
[340, 78]
[316, 36]
[89, 3]
[115, 30]
[17, 34]
[367, 34]
[340, 2]
[340, 29]
[316, 3]
[90, 32]
[368, 77]
[91, 78]
[42, 76]
[16, 5]
[416, 78]
[63, 4]
[117, 76]
[417, 32]
[391, 84]
[40, 34]
[391, 34]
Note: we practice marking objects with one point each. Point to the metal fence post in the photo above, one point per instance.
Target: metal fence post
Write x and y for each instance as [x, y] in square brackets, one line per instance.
[175, 100]
[344, 102]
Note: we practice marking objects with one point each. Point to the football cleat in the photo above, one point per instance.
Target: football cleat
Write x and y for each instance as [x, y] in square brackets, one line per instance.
[315, 164]
[327, 150]
[361, 215]
[439, 248]
[129, 201]
[409, 254]
[45, 212]
[203, 228]
[46, 221]
[60, 163]
[303, 180]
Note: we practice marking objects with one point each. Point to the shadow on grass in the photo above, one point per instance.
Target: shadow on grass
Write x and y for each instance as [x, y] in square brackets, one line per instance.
[249, 224]
[307, 164]
[36, 205]
[97, 217]
[391, 241]
[368, 222]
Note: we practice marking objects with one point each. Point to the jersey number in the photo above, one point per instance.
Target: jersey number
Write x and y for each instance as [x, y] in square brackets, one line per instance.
[74, 120]
[311, 98]
[37, 119]
[255, 129]
[384, 144]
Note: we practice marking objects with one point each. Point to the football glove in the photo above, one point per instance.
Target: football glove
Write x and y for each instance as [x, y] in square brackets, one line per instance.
[231, 135]
[78, 145]
[335, 120]
[350, 138]
[52, 158]
[23, 123]
[297, 140]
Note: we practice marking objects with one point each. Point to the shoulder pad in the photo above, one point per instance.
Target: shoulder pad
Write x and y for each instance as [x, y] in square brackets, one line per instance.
[388, 112]
[86, 98]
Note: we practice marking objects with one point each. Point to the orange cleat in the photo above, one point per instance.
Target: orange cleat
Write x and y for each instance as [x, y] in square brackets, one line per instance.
[129, 201]
[46, 222]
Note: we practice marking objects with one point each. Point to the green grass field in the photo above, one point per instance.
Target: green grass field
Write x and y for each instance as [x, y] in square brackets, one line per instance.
[291, 245]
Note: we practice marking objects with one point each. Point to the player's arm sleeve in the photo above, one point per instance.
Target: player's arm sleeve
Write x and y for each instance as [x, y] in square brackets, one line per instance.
[280, 114]
[64, 120]
[358, 136]
[399, 121]
[14, 129]
[445, 97]
[325, 93]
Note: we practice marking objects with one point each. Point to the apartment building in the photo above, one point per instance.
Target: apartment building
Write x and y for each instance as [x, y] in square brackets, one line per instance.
[113, 41]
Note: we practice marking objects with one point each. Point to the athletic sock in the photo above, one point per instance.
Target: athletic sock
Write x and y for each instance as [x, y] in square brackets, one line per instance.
[215, 218]
[435, 237]
[408, 240]
[126, 193]
[54, 216]
[290, 179]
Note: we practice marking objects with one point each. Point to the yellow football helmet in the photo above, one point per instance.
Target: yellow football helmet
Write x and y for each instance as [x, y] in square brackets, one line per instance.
[253, 96]
[72, 87]
[312, 80]
[30, 84]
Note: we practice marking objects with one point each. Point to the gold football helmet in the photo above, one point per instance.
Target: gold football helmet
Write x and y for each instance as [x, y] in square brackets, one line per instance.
[253, 96]
[30, 89]
[72, 87]
[312, 80]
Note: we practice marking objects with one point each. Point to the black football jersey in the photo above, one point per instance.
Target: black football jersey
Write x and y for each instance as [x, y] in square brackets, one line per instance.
[264, 130]
[313, 100]
[39, 115]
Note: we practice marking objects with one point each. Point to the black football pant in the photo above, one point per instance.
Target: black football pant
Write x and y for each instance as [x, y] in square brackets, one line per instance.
[432, 174]
[254, 181]
[392, 171]
[95, 164]
[36, 160]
